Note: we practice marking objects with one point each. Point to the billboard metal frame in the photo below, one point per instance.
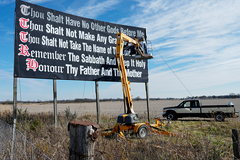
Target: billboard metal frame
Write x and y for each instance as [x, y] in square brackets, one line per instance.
[50, 44]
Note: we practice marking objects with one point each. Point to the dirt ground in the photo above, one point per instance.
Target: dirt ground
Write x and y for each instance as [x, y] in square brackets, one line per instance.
[114, 108]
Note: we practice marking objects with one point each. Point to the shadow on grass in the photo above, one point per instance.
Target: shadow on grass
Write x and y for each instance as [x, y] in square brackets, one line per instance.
[205, 120]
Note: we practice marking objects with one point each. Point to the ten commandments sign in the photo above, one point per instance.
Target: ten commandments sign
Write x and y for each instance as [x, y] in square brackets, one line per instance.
[55, 45]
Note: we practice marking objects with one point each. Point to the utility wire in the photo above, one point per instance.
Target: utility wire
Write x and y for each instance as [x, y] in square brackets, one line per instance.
[172, 71]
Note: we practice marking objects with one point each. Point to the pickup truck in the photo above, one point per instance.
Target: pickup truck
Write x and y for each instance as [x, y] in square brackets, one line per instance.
[194, 108]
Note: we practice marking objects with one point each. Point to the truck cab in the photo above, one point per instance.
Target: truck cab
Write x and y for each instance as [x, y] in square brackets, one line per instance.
[187, 108]
[194, 108]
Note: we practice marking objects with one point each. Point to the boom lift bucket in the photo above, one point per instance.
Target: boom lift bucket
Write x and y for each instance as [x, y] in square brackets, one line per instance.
[143, 50]
[145, 56]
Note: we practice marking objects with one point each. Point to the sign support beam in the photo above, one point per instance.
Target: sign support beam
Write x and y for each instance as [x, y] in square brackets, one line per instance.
[97, 102]
[147, 96]
[15, 98]
[55, 102]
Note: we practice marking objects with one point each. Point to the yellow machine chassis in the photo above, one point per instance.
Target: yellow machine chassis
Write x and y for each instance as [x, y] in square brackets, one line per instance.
[154, 128]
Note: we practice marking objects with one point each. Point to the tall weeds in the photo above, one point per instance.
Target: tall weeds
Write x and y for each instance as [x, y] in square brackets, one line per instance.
[201, 139]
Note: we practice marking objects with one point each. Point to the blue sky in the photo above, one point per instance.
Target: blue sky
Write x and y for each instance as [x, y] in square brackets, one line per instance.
[200, 41]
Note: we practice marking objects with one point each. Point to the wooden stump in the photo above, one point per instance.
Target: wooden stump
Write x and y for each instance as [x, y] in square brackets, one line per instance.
[82, 139]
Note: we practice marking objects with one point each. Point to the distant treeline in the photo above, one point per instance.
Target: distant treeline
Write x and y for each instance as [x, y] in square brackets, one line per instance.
[77, 100]
[83, 100]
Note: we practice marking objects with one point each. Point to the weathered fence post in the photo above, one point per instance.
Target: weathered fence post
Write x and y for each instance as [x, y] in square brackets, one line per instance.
[82, 139]
[236, 148]
[13, 135]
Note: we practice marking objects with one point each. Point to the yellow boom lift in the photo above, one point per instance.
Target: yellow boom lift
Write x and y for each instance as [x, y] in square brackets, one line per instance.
[129, 121]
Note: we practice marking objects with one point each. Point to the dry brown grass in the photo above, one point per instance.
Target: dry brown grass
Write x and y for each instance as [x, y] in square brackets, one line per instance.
[204, 139]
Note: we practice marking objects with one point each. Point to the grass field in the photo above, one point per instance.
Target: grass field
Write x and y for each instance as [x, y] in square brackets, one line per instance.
[113, 108]
[201, 138]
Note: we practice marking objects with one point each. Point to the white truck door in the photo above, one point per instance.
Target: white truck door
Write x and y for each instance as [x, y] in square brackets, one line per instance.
[195, 107]
[185, 108]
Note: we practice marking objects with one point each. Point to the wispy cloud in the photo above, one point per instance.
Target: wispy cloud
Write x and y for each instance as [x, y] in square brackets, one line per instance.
[198, 39]
[92, 8]
[38, 1]
[4, 2]
[5, 75]
[34, 89]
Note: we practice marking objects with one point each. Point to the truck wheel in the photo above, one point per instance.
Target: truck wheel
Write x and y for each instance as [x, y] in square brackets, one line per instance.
[171, 116]
[219, 117]
[142, 131]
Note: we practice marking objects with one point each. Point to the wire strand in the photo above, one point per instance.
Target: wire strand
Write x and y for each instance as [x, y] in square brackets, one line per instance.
[173, 71]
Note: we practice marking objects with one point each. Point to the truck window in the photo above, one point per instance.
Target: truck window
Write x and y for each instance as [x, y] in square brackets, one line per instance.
[181, 105]
[184, 104]
[194, 104]
[187, 104]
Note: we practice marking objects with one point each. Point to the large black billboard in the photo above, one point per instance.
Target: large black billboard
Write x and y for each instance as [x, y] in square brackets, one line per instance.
[54, 45]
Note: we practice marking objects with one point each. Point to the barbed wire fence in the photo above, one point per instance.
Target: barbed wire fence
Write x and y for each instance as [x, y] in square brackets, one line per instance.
[15, 146]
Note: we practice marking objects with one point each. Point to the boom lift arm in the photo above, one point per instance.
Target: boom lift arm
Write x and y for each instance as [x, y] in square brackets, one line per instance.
[121, 38]
[128, 121]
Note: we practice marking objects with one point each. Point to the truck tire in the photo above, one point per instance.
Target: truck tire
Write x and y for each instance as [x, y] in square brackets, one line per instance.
[171, 116]
[142, 131]
[219, 117]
